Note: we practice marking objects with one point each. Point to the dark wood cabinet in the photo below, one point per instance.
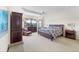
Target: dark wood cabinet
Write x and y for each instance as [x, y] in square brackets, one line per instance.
[32, 29]
[16, 27]
[70, 34]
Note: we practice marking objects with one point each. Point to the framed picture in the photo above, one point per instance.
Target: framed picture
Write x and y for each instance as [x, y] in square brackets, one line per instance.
[3, 21]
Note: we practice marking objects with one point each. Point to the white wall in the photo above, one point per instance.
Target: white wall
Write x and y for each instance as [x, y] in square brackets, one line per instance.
[4, 40]
[61, 15]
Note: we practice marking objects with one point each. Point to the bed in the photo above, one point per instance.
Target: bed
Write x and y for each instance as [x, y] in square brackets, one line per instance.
[51, 32]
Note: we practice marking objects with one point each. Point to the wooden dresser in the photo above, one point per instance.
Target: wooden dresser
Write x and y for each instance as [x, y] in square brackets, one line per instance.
[70, 34]
[32, 29]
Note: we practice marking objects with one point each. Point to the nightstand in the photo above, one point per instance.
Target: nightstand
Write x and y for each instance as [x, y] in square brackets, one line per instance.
[70, 34]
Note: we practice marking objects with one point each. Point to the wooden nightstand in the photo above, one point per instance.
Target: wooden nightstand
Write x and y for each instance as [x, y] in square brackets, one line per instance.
[70, 34]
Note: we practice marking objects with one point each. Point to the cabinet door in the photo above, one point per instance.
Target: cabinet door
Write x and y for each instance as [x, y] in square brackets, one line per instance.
[16, 21]
[16, 36]
[16, 27]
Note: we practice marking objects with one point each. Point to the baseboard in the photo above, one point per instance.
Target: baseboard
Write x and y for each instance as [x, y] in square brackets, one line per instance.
[13, 44]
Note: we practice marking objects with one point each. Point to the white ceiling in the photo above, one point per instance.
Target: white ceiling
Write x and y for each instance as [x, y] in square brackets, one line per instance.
[58, 14]
[70, 12]
[52, 12]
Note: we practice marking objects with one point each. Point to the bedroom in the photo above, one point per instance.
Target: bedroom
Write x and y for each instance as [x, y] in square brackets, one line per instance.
[52, 17]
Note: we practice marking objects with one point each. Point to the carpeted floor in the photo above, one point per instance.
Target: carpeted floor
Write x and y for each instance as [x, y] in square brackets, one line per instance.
[37, 43]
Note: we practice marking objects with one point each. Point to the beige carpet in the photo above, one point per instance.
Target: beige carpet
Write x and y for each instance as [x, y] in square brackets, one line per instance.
[37, 43]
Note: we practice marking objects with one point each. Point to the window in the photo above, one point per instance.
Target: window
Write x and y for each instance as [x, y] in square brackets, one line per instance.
[30, 23]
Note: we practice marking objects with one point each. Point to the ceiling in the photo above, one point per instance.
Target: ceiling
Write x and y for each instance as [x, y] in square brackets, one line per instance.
[65, 11]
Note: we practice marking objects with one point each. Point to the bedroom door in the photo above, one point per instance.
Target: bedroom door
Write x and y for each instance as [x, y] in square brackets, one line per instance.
[16, 27]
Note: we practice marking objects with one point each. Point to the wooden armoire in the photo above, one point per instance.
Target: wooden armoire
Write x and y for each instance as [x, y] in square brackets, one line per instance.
[15, 27]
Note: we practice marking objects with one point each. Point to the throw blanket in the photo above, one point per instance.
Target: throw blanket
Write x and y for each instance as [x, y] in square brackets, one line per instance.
[55, 31]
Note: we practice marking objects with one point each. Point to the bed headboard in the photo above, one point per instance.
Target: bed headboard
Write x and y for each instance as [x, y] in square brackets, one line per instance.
[57, 25]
